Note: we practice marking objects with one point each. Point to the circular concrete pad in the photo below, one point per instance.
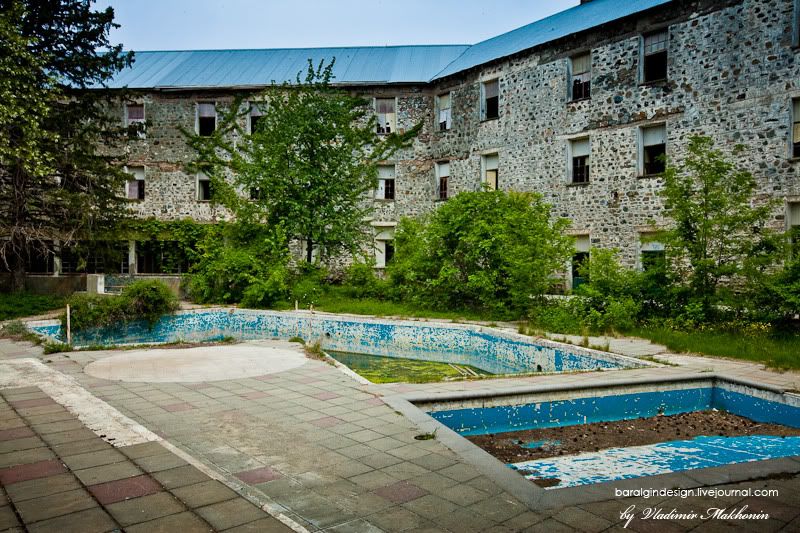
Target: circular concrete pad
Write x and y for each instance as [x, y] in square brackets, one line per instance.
[204, 363]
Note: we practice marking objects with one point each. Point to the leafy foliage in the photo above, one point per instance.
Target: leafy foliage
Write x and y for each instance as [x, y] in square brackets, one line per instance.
[487, 249]
[54, 183]
[25, 304]
[140, 300]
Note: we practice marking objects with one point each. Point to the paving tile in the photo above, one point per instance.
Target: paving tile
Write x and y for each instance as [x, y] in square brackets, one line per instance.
[157, 463]
[17, 445]
[179, 477]
[265, 525]
[95, 458]
[430, 506]
[142, 450]
[231, 513]
[373, 480]
[81, 446]
[400, 492]
[22, 457]
[144, 509]
[105, 473]
[463, 495]
[397, 519]
[16, 433]
[258, 475]
[185, 522]
[328, 421]
[69, 436]
[58, 504]
[178, 407]
[36, 488]
[8, 518]
[204, 493]
[325, 396]
[57, 427]
[123, 489]
[94, 520]
[37, 402]
[24, 472]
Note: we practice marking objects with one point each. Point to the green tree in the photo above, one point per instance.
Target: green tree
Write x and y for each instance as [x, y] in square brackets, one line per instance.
[718, 238]
[55, 185]
[308, 165]
[488, 249]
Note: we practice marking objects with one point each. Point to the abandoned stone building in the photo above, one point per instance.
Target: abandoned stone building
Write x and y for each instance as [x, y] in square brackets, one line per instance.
[578, 107]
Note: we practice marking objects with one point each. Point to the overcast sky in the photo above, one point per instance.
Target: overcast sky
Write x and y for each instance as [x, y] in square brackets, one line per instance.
[214, 24]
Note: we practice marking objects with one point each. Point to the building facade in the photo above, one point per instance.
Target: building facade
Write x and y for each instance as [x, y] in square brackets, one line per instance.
[578, 107]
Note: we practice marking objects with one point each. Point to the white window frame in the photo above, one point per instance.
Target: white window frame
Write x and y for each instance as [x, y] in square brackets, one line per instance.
[383, 234]
[643, 53]
[131, 121]
[570, 156]
[640, 146]
[393, 115]
[135, 178]
[484, 109]
[202, 177]
[197, 115]
[380, 191]
[792, 214]
[571, 75]
[260, 108]
[647, 245]
[484, 169]
[439, 175]
[438, 112]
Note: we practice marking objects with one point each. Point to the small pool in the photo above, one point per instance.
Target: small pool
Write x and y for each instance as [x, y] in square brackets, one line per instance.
[488, 349]
[503, 414]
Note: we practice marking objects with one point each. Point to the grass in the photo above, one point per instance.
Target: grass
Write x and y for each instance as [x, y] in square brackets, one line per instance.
[781, 352]
[338, 303]
[17, 331]
[379, 369]
[17, 305]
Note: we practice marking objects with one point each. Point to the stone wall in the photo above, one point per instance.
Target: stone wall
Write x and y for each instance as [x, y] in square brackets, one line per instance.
[732, 76]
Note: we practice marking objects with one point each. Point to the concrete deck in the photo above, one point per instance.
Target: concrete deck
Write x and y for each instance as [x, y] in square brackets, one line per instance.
[319, 450]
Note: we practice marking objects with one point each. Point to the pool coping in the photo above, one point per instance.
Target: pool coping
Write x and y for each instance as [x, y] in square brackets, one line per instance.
[536, 497]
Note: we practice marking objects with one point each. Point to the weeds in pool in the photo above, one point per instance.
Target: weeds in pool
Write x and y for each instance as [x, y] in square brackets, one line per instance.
[298, 340]
[16, 330]
[56, 347]
[314, 351]
[601, 347]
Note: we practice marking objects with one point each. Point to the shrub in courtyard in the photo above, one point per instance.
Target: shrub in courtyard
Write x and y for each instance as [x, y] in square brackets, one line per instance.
[141, 300]
[360, 281]
[493, 250]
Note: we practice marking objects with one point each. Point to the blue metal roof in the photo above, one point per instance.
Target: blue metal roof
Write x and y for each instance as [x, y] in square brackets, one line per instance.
[244, 68]
[361, 65]
[562, 24]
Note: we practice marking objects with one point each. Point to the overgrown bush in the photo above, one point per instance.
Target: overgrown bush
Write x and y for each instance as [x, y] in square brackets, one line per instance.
[360, 281]
[308, 284]
[142, 300]
[492, 250]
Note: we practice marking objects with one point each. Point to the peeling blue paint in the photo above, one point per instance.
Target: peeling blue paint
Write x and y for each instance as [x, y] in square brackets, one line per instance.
[662, 458]
[495, 352]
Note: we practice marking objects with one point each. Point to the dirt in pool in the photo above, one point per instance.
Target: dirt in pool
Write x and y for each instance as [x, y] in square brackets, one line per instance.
[517, 446]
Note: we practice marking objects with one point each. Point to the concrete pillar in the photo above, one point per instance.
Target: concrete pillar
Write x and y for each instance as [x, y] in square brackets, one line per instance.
[131, 257]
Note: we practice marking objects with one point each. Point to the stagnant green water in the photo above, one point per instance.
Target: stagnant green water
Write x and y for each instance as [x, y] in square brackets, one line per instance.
[379, 369]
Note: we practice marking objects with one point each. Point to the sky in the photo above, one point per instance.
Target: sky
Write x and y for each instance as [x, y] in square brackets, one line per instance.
[226, 24]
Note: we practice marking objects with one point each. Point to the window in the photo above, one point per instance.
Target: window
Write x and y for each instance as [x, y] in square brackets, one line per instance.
[384, 246]
[796, 24]
[134, 119]
[654, 56]
[490, 164]
[255, 115]
[385, 189]
[796, 127]
[490, 99]
[387, 117]
[653, 149]
[582, 245]
[255, 193]
[793, 223]
[315, 252]
[442, 177]
[203, 188]
[444, 113]
[134, 187]
[580, 85]
[206, 119]
[653, 256]
[579, 160]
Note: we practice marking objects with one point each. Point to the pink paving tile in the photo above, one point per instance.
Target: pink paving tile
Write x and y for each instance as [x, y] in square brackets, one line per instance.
[254, 395]
[38, 402]
[258, 475]
[16, 433]
[326, 396]
[176, 407]
[375, 401]
[401, 492]
[326, 422]
[268, 377]
[124, 489]
[15, 474]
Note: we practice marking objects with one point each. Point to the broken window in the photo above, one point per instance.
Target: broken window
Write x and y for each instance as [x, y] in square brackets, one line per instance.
[491, 165]
[442, 177]
[579, 160]
[206, 119]
[255, 115]
[134, 187]
[581, 77]
[793, 224]
[160, 257]
[653, 150]
[255, 193]
[654, 60]
[134, 119]
[582, 245]
[386, 175]
[652, 254]
[491, 99]
[796, 127]
[387, 116]
[384, 246]
[444, 112]
[203, 188]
